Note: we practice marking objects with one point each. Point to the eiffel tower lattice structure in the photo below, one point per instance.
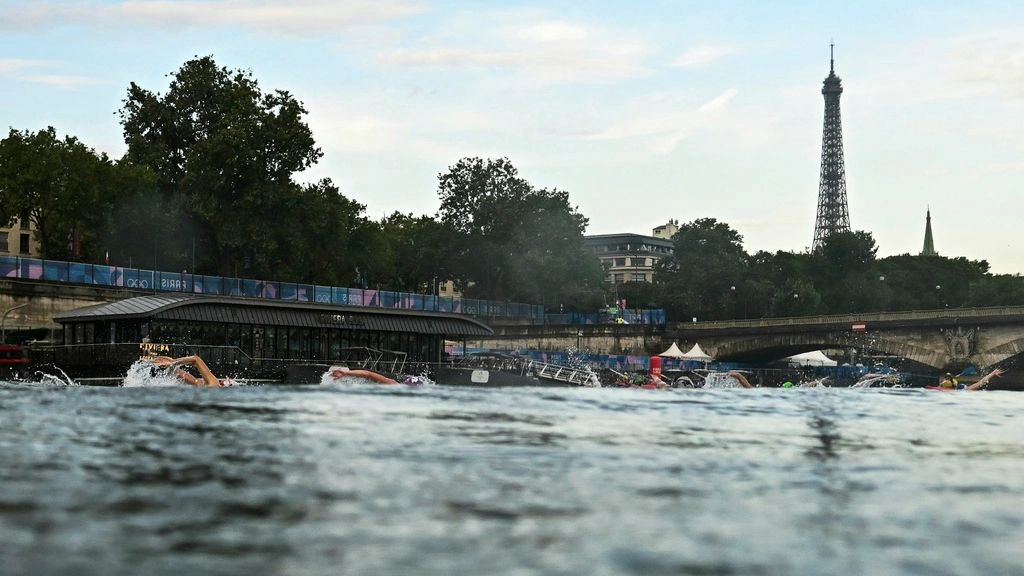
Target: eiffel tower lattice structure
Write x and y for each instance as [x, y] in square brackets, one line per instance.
[833, 214]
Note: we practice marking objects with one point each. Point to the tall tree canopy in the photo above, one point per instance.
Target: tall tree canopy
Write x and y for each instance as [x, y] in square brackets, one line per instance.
[64, 187]
[416, 254]
[516, 242]
[707, 262]
[224, 153]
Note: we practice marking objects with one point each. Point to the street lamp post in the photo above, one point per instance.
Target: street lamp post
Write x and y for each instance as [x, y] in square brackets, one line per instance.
[3, 320]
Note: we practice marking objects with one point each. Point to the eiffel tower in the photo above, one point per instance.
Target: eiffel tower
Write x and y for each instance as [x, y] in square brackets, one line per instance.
[833, 214]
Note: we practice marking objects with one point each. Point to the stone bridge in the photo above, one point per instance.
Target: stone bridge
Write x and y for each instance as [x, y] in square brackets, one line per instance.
[946, 339]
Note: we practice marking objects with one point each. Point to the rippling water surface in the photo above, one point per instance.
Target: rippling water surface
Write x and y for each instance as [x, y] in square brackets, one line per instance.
[361, 479]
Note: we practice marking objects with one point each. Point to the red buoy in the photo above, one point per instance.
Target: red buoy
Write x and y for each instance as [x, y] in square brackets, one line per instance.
[655, 369]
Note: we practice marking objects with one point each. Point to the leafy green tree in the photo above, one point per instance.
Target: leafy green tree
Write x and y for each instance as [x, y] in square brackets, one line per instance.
[314, 235]
[135, 219]
[928, 282]
[62, 186]
[796, 297]
[844, 273]
[516, 242]
[417, 254]
[767, 272]
[998, 290]
[478, 201]
[224, 153]
[551, 264]
[708, 260]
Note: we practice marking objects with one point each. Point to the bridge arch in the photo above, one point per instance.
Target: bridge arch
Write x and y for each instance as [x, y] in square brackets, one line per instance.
[766, 348]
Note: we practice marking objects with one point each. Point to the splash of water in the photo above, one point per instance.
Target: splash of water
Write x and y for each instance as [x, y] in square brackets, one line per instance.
[886, 380]
[143, 374]
[816, 383]
[578, 359]
[419, 380]
[53, 379]
[721, 380]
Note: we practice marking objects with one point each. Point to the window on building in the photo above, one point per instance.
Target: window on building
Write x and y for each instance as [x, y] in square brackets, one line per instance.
[639, 277]
[620, 261]
[25, 222]
[619, 278]
[23, 248]
[4, 247]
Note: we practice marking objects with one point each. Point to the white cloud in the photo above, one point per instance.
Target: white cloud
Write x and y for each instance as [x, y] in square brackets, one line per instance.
[290, 17]
[663, 120]
[62, 81]
[14, 65]
[554, 32]
[702, 56]
[545, 51]
[987, 64]
[23, 70]
[719, 102]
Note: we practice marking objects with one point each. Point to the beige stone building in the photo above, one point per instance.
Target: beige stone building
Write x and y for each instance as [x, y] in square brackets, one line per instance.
[17, 239]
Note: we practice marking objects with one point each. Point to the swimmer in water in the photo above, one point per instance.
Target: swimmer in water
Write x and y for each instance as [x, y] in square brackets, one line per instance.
[983, 382]
[206, 377]
[339, 372]
[739, 377]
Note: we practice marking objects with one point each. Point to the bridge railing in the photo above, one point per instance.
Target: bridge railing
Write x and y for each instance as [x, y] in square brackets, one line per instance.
[156, 281]
[866, 318]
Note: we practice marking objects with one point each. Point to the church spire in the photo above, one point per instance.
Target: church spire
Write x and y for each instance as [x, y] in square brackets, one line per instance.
[929, 244]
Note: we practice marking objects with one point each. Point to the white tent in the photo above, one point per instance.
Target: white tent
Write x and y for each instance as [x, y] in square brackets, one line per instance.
[696, 353]
[672, 352]
[816, 358]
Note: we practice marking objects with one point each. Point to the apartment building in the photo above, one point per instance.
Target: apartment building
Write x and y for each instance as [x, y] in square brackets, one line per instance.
[17, 239]
[631, 257]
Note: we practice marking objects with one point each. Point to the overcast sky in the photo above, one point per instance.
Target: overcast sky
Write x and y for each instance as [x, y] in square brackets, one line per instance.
[642, 111]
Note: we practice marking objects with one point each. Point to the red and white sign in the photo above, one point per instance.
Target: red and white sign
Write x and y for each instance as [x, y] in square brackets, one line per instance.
[859, 327]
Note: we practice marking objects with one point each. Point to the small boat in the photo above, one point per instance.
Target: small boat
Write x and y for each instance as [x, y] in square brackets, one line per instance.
[485, 369]
[14, 362]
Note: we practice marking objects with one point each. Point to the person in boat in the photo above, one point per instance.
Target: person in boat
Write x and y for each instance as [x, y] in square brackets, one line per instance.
[948, 382]
[206, 377]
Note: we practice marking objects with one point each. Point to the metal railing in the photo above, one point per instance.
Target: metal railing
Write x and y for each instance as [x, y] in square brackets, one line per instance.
[867, 318]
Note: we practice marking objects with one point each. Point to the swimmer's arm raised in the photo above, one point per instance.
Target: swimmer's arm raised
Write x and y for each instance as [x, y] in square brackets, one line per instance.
[741, 379]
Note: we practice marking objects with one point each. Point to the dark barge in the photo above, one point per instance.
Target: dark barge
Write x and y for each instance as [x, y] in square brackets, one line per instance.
[256, 339]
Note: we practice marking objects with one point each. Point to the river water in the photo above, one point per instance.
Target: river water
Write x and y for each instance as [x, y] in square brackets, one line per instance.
[364, 479]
